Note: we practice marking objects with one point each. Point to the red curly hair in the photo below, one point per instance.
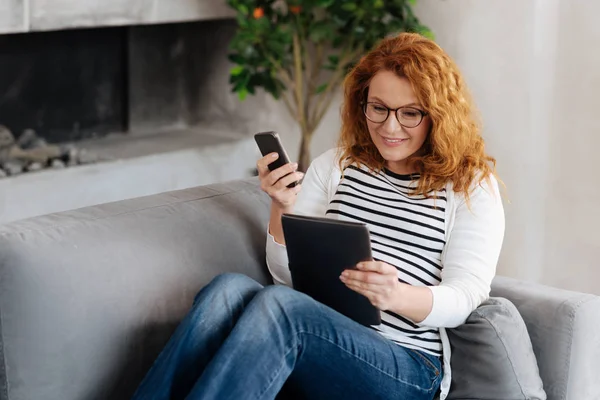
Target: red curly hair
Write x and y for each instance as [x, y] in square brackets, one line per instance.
[454, 149]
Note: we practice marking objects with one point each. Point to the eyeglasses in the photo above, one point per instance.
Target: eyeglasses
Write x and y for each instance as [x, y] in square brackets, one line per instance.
[408, 117]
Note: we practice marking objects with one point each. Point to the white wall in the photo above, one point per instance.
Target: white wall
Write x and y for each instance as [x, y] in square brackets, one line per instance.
[534, 70]
[572, 238]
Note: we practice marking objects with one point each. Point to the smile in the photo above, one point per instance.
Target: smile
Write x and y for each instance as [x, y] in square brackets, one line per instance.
[393, 141]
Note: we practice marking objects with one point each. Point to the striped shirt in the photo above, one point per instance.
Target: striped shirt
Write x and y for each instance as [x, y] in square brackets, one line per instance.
[406, 231]
[474, 233]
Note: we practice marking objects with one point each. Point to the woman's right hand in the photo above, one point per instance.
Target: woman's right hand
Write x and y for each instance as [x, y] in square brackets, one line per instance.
[275, 183]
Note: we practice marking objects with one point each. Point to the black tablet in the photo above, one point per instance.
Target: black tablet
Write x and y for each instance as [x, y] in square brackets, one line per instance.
[319, 249]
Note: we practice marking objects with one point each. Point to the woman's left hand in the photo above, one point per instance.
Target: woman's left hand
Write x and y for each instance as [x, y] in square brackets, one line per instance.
[377, 281]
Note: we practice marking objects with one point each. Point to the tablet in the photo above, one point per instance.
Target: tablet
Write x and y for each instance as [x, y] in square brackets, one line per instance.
[319, 249]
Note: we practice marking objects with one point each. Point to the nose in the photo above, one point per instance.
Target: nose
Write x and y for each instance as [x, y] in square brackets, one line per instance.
[391, 124]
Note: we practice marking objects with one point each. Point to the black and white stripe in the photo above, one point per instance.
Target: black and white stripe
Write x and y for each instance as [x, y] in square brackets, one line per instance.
[407, 232]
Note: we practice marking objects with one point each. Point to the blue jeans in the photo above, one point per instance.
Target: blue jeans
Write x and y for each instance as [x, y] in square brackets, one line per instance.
[244, 341]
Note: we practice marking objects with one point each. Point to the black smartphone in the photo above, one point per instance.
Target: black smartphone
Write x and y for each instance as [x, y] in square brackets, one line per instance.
[269, 142]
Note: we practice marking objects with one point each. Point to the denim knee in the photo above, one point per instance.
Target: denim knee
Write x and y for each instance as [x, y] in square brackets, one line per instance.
[235, 280]
[231, 283]
[282, 298]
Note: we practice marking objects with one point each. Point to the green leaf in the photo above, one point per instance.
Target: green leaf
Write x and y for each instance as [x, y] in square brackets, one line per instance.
[320, 31]
[349, 6]
[321, 88]
[242, 94]
[333, 62]
[236, 59]
[338, 41]
[237, 70]
[325, 3]
[243, 9]
[241, 80]
[275, 47]
[262, 24]
[256, 80]
[270, 86]
[242, 20]
[426, 32]
[249, 51]
[359, 30]
[412, 2]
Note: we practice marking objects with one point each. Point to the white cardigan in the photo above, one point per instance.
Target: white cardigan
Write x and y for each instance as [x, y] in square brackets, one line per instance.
[473, 241]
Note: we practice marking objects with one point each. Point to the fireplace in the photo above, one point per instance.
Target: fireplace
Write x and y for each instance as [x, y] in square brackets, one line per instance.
[142, 89]
[85, 83]
[65, 85]
[75, 70]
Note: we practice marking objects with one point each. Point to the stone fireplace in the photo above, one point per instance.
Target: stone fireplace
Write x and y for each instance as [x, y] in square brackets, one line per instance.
[140, 86]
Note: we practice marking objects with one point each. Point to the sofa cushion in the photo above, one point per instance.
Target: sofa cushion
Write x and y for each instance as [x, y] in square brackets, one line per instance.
[492, 356]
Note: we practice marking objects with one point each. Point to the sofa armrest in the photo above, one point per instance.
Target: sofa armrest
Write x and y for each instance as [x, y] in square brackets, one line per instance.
[564, 327]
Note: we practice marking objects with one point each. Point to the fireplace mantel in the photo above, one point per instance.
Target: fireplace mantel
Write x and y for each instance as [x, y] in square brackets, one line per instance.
[18, 16]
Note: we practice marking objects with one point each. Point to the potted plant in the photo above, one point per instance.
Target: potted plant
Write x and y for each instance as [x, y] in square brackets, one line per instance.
[300, 50]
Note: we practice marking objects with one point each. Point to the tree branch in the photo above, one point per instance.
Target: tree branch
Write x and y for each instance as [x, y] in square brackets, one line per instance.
[318, 62]
[315, 70]
[306, 54]
[317, 119]
[327, 96]
[302, 67]
[308, 78]
[288, 106]
[282, 72]
[298, 89]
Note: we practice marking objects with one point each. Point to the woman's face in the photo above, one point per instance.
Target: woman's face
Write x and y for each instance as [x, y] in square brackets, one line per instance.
[395, 142]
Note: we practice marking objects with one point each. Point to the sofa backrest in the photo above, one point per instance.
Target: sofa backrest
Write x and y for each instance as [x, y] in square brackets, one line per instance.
[89, 297]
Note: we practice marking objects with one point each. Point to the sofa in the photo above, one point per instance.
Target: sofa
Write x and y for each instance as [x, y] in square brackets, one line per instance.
[89, 297]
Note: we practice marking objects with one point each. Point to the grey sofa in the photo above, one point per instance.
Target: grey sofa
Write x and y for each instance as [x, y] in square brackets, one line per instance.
[89, 297]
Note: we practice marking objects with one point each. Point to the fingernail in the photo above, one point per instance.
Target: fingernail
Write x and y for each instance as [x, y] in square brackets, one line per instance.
[359, 265]
[295, 165]
[274, 155]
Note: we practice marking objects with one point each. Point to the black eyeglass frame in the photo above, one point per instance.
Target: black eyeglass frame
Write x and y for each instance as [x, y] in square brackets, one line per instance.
[395, 110]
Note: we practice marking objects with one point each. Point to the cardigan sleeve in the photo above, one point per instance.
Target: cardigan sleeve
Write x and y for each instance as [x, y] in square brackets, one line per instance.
[312, 200]
[470, 257]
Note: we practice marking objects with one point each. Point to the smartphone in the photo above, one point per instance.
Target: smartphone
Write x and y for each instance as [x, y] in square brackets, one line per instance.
[269, 142]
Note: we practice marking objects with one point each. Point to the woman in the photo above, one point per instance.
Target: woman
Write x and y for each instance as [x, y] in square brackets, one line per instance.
[411, 164]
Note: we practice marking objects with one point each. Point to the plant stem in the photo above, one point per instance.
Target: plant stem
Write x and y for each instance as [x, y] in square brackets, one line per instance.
[319, 117]
[304, 157]
[327, 96]
[306, 63]
[298, 82]
[312, 83]
[282, 72]
[285, 76]
[288, 105]
[308, 78]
